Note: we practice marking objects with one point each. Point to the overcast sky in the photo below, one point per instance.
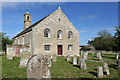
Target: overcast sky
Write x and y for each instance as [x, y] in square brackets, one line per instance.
[87, 17]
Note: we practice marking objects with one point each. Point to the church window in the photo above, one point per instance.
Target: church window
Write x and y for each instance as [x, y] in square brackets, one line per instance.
[27, 17]
[70, 35]
[70, 47]
[59, 34]
[47, 33]
[47, 47]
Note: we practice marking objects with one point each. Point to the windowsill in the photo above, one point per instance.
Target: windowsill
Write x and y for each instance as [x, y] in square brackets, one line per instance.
[70, 50]
[47, 37]
[47, 51]
[59, 38]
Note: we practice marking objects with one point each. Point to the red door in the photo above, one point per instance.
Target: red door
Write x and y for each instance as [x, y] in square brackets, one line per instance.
[59, 49]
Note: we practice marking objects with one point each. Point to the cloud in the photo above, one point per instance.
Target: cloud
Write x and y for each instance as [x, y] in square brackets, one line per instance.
[85, 17]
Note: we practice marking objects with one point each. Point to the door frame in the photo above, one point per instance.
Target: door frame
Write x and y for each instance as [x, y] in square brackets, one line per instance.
[61, 48]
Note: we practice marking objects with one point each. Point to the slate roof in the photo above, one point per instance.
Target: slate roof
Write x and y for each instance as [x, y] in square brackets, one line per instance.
[29, 28]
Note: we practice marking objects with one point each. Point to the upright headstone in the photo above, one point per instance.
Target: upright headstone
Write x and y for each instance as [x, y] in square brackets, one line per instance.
[117, 56]
[85, 55]
[79, 59]
[83, 64]
[74, 61]
[54, 57]
[49, 59]
[38, 68]
[99, 56]
[100, 71]
[24, 57]
[119, 64]
[81, 53]
[68, 57]
[106, 68]
[96, 55]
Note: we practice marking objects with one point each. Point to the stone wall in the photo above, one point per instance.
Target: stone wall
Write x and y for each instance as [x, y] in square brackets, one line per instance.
[55, 21]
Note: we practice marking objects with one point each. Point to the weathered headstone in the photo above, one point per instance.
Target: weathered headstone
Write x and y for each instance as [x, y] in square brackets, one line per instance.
[85, 55]
[54, 57]
[81, 53]
[106, 68]
[99, 56]
[38, 67]
[79, 59]
[119, 64]
[117, 56]
[24, 57]
[83, 64]
[100, 71]
[96, 55]
[68, 57]
[74, 61]
[49, 59]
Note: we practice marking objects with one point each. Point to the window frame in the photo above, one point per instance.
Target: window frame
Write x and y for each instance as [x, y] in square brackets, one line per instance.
[59, 34]
[70, 35]
[47, 48]
[47, 33]
[70, 47]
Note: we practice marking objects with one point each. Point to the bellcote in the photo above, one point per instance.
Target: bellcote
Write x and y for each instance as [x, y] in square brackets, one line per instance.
[27, 19]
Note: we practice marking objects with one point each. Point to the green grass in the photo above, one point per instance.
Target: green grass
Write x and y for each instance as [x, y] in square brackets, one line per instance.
[60, 69]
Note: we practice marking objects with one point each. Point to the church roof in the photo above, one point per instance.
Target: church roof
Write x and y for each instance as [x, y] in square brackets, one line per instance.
[30, 27]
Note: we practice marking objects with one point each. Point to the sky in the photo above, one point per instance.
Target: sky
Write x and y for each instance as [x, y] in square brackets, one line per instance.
[88, 17]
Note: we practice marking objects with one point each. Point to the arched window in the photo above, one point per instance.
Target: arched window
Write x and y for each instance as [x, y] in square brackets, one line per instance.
[70, 35]
[47, 33]
[59, 34]
[27, 17]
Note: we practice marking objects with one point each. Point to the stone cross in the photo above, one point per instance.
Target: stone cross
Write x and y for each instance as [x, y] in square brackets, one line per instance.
[54, 57]
[24, 57]
[68, 58]
[83, 64]
[106, 68]
[38, 68]
[100, 71]
[74, 61]
[99, 56]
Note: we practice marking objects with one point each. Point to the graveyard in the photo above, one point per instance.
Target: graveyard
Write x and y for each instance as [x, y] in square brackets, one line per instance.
[62, 68]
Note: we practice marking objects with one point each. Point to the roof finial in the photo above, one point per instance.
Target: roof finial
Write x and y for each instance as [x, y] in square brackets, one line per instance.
[27, 9]
[59, 7]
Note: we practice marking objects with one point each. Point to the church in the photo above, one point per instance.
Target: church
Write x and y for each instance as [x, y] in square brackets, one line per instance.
[54, 34]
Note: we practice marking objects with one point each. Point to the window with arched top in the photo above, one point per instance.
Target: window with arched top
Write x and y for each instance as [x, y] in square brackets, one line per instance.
[47, 33]
[27, 17]
[59, 34]
[70, 34]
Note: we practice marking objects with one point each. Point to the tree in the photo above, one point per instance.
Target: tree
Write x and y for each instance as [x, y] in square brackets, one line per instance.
[4, 40]
[117, 38]
[105, 41]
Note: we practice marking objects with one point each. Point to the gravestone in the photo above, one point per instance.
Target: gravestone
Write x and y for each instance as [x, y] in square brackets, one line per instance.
[81, 53]
[74, 61]
[99, 56]
[96, 55]
[54, 57]
[68, 58]
[100, 71]
[79, 59]
[49, 59]
[106, 68]
[38, 68]
[83, 64]
[85, 55]
[119, 64]
[24, 57]
[117, 56]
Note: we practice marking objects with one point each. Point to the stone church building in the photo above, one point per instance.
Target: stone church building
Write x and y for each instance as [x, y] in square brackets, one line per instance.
[54, 34]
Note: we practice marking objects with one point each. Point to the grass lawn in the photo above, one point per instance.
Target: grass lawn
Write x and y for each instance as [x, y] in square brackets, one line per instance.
[60, 69]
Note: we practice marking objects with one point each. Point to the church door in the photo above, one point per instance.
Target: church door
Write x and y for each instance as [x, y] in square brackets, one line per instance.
[59, 49]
